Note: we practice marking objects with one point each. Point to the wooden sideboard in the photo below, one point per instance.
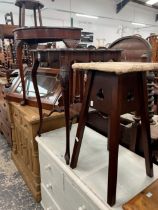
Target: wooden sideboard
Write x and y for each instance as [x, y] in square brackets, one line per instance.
[5, 125]
[25, 123]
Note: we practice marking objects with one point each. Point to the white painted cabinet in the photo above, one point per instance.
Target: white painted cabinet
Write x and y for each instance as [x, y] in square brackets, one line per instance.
[58, 188]
[85, 188]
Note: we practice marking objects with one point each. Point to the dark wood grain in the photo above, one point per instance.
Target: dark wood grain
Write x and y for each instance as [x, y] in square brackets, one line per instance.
[125, 93]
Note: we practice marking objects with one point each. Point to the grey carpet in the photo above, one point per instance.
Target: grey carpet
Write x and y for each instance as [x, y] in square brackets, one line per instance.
[14, 194]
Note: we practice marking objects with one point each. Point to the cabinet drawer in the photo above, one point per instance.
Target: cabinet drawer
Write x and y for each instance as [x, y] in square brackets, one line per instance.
[60, 187]
[50, 174]
[53, 179]
[48, 202]
[76, 199]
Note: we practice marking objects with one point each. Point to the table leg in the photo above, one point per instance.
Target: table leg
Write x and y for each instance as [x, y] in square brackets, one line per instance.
[35, 17]
[23, 15]
[20, 24]
[19, 60]
[145, 125]
[40, 17]
[82, 121]
[34, 80]
[113, 145]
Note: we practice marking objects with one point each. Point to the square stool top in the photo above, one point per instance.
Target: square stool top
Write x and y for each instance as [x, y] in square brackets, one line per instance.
[116, 67]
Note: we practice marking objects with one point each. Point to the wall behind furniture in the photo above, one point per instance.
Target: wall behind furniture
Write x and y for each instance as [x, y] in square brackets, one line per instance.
[108, 27]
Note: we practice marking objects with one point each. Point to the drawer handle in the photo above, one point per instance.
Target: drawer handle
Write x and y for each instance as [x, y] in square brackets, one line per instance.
[82, 207]
[48, 167]
[49, 186]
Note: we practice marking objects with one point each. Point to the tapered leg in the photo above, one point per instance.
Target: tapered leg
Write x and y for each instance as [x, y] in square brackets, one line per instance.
[23, 15]
[82, 121]
[146, 136]
[40, 17]
[20, 24]
[113, 145]
[34, 80]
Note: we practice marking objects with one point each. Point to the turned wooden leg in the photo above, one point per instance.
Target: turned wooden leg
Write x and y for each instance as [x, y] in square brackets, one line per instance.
[19, 60]
[113, 146]
[35, 17]
[40, 17]
[23, 15]
[34, 80]
[20, 24]
[146, 136]
[82, 121]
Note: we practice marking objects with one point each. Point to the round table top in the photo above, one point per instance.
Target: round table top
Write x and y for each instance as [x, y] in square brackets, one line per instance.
[41, 34]
[29, 4]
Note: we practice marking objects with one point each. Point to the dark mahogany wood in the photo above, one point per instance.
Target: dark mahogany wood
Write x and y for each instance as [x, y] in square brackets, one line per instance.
[66, 57]
[33, 5]
[133, 48]
[34, 72]
[35, 35]
[29, 4]
[122, 94]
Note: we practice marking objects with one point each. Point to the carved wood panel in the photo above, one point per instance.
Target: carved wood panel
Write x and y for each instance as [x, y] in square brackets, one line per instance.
[25, 150]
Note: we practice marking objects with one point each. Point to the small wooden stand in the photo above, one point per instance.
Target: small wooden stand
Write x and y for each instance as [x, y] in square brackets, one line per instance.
[115, 88]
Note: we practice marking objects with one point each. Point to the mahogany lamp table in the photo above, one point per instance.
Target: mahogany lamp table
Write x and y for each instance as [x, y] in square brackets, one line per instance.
[115, 88]
[34, 5]
[42, 34]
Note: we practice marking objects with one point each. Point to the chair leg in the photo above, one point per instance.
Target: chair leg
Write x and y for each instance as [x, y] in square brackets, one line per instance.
[82, 122]
[34, 80]
[145, 126]
[19, 60]
[113, 147]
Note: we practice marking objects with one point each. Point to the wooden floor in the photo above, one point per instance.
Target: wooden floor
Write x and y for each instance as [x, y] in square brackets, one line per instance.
[14, 194]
